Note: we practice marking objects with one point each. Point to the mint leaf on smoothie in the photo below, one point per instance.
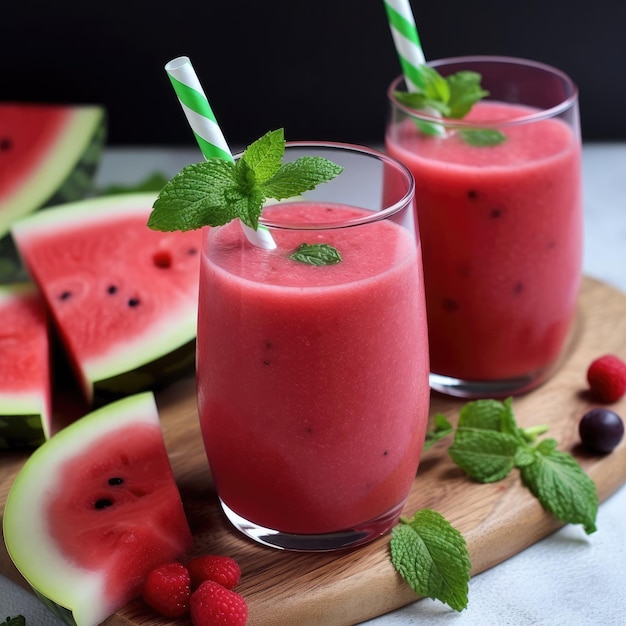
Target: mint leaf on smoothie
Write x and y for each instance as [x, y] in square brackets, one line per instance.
[482, 136]
[316, 254]
[431, 555]
[453, 96]
[214, 192]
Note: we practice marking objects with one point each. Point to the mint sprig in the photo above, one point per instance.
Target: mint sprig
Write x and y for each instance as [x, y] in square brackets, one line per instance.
[217, 191]
[453, 97]
[432, 557]
[488, 445]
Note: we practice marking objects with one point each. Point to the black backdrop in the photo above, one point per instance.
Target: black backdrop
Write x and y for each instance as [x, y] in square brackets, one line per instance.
[318, 68]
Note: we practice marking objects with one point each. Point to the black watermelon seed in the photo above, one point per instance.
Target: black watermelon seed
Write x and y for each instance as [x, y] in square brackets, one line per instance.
[472, 194]
[111, 289]
[192, 251]
[5, 143]
[386, 452]
[132, 302]
[450, 305]
[266, 362]
[116, 480]
[103, 503]
[495, 213]
[66, 295]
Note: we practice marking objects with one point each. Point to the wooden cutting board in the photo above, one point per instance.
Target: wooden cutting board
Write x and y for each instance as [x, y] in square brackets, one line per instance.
[497, 520]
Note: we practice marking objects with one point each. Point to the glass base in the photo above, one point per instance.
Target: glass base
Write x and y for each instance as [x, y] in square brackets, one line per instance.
[477, 389]
[323, 542]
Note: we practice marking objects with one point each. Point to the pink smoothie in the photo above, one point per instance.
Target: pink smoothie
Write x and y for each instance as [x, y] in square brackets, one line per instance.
[501, 231]
[313, 381]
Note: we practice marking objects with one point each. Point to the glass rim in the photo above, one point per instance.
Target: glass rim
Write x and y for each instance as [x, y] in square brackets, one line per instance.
[373, 216]
[541, 114]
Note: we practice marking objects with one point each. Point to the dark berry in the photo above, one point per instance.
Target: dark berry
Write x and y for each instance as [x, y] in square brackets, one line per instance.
[601, 430]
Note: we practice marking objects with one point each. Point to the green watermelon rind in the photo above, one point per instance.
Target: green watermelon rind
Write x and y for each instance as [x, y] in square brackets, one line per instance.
[147, 364]
[36, 558]
[24, 416]
[84, 137]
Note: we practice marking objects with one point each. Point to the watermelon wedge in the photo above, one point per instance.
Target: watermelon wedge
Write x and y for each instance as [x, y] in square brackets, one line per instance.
[48, 155]
[94, 509]
[123, 297]
[24, 367]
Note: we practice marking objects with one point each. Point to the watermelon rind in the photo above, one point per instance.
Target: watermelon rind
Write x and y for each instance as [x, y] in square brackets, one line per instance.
[65, 174]
[67, 170]
[162, 354]
[74, 593]
[25, 419]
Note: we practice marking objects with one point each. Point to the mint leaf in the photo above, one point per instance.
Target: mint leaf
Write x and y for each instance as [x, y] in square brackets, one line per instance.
[486, 441]
[432, 557]
[265, 155]
[300, 175]
[482, 137]
[484, 455]
[199, 195]
[464, 92]
[217, 191]
[18, 620]
[442, 429]
[560, 484]
[317, 254]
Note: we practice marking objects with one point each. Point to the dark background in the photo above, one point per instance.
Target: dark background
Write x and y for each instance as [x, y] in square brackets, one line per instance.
[319, 69]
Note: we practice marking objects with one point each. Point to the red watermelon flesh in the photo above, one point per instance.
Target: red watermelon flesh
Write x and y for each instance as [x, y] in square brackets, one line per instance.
[20, 149]
[24, 367]
[122, 296]
[94, 509]
[45, 150]
[115, 502]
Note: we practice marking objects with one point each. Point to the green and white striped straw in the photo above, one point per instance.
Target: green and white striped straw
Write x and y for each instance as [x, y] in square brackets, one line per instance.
[410, 53]
[206, 129]
[407, 42]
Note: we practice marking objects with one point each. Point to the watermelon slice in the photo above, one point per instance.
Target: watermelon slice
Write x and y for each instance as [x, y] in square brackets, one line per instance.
[123, 297]
[48, 155]
[94, 509]
[24, 367]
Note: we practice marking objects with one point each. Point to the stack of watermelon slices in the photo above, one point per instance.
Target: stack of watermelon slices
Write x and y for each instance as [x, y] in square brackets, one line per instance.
[121, 298]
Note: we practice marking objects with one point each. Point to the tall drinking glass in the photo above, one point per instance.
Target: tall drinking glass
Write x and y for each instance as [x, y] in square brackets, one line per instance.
[313, 380]
[501, 225]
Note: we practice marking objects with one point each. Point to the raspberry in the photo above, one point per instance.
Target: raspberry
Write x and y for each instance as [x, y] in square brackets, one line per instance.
[607, 378]
[167, 589]
[221, 569]
[214, 605]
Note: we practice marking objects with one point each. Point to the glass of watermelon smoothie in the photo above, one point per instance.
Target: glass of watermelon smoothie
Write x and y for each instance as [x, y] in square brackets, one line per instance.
[313, 386]
[501, 226]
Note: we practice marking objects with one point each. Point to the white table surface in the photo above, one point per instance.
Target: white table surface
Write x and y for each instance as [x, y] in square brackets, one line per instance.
[568, 578]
